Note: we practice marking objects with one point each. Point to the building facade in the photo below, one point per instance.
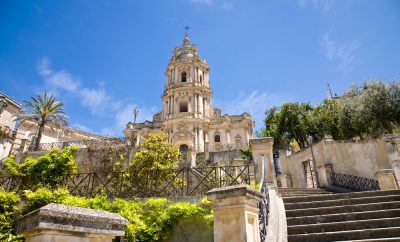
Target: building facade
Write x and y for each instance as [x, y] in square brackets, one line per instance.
[187, 115]
[9, 110]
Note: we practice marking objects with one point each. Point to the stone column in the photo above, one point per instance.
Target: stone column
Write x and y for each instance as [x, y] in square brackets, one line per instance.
[262, 149]
[285, 180]
[195, 139]
[206, 150]
[386, 179]
[201, 140]
[393, 149]
[201, 105]
[325, 175]
[195, 105]
[235, 213]
[56, 222]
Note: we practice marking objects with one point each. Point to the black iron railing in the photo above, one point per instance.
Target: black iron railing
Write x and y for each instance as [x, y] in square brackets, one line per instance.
[355, 183]
[263, 206]
[178, 182]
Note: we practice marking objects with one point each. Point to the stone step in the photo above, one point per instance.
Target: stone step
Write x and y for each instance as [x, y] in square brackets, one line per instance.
[329, 218]
[342, 209]
[295, 195]
[341, 202]
[362, 235]
[311, 198]
[343, 226]
[378, 240]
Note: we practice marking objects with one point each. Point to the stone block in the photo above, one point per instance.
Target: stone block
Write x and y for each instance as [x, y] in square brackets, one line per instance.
[235, 213]
[386, 179]
[61, 223]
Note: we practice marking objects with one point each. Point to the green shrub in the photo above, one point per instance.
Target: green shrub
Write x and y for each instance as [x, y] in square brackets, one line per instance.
[48, 170]
[8, 214]
[42, 197]
[150, 220]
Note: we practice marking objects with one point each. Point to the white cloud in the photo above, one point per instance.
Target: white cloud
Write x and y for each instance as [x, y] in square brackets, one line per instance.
[255, 103]
[324, 5]
[95, 99]
[227, 6]
[206, 2]
[345, 53]
[59, 79]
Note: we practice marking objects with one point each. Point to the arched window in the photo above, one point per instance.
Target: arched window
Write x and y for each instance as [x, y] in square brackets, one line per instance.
[217, 138]
[183, 107]
[201, 79]
[183, 77]
[183, 148]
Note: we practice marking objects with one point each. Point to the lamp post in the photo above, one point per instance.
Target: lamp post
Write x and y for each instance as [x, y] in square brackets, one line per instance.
[3, 104]
[135, 113]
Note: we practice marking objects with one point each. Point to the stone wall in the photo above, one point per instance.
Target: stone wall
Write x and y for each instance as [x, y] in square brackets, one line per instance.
[361, 158]
[94, 160]
[191, 229]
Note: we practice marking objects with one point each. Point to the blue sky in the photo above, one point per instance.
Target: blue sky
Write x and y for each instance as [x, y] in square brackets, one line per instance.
[103, 57]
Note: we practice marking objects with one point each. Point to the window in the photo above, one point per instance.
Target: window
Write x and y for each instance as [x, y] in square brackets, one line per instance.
[201, 79]
[217, 138]
[183, 77]
[183, 107]
[183, 148]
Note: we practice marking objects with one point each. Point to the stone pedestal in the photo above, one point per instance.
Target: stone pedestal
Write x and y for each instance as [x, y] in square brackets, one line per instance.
[286, 181]
[393, 148]
[235, 213]
[386, 179]
[325, 175]
[262, 149]
[61, 223]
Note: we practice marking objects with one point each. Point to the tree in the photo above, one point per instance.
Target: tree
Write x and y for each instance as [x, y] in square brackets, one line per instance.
[291, 121]
[44, 111]
[156, 159]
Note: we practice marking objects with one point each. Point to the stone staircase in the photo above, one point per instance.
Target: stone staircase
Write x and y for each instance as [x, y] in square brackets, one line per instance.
[317, 215]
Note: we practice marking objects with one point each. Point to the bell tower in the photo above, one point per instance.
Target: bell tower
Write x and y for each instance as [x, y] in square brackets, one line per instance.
[187, 97]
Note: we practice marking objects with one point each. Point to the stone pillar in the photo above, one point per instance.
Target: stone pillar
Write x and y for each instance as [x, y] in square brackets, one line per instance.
[56, 222]
[393, 149]
[325, 175]
[386, 179]
[235, 213]
[207, 150]
[201, 140]
[195, 105]
[261, 148]
[285, 180]
[201, 105]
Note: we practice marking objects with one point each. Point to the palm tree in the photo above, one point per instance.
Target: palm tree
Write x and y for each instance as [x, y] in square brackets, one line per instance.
[44, 111]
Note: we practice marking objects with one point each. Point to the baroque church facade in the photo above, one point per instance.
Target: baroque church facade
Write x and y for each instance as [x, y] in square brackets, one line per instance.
[188, 116]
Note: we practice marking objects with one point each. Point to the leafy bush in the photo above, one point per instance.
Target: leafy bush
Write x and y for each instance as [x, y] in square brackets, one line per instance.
[150, 220]
[49, 169]
[8, 214]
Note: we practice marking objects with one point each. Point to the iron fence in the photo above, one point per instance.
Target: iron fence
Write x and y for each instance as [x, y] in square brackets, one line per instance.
[178, 182]
[355, 183]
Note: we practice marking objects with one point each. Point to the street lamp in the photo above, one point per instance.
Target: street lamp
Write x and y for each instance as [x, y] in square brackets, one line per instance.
[135, 113]
[3, 104]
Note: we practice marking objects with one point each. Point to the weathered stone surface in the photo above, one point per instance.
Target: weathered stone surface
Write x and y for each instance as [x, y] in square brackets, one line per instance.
[61, 222]
[233, 191]
[235, 213]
